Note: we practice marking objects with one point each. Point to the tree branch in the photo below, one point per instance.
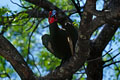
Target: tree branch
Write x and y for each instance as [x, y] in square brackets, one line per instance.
[111, 64]
[111, 58]
[77, 6]
[62, 17]
[104, 37]
[87, 17]
[37, 13]
[9, 52]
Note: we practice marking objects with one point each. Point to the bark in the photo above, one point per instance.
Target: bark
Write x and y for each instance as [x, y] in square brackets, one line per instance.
[9, 52]
[95, 63]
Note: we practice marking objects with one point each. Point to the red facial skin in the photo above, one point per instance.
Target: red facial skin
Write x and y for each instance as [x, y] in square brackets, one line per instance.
[51, 19]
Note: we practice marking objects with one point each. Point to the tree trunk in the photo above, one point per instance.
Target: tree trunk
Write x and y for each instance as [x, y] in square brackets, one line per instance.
[94, 67]
[95, 63]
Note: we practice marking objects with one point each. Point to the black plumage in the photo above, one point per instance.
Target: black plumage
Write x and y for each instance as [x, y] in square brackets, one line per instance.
[58, 42]
[61, 42]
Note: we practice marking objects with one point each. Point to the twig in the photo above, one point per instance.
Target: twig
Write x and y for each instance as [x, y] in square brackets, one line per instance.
[110, 64]
[16, 3]
[4, 71]
[20, 5]
[45, 26]
[107, 52]
[6, 75]
[98, 57]
[77, 7]
[78, 2]
[24, 5]
[31, 25]
[81, 77]
[5, 26]
[29, 53]
[112, 57]
[35, 64]
[31, 37]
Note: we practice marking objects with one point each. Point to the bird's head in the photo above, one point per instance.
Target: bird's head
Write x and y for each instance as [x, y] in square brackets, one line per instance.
[52, 16]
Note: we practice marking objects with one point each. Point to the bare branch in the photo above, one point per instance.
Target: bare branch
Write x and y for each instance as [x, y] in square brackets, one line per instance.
[98, 57]
[22, 6]
[62, 17]
[77, 6]
[37, 13]
[111, 58]
[110, 64]
[31, 36]
[104, 37]
[29, 53]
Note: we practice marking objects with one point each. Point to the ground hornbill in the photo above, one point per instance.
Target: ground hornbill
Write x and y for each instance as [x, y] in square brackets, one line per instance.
[60, 42]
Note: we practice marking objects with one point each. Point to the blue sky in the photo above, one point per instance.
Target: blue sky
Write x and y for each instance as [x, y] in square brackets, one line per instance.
[9, 4]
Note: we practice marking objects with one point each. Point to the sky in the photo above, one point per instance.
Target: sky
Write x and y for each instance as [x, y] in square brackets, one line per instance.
[9, 4]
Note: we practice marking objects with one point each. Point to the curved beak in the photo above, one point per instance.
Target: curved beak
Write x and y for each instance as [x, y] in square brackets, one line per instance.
[53, 13]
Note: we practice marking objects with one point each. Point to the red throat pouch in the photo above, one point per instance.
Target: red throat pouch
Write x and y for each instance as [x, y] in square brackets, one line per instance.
[51, 19]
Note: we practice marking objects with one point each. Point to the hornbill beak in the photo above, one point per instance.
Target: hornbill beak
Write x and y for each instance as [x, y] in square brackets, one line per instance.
[53, 13]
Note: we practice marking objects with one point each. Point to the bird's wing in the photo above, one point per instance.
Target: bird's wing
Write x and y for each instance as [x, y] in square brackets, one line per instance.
[50, 47]
[70, 44]
[72, 31]
[47, 43]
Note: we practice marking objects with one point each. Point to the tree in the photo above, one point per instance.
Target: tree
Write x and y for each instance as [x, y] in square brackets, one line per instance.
[18, 28]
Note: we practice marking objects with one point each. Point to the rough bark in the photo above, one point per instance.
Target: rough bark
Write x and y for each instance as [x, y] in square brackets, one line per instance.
[9, 52]
[95, 63]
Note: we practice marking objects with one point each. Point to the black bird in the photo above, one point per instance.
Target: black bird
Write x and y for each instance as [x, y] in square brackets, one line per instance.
[59, 41]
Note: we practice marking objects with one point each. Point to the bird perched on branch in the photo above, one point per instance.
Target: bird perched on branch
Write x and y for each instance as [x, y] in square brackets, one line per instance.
[59, 41]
